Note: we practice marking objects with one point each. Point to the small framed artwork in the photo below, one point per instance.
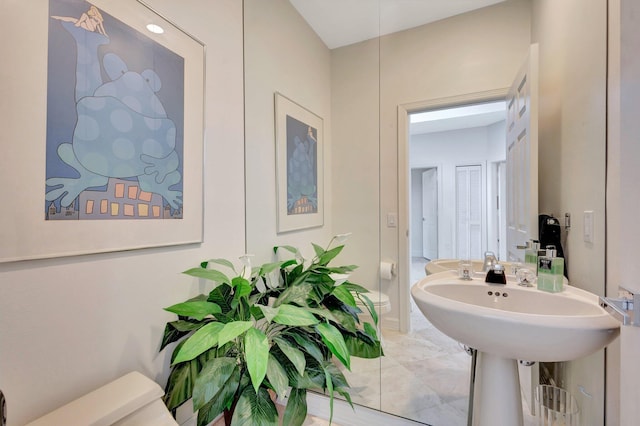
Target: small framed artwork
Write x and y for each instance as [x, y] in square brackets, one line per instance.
[115, 159]
[299, 166]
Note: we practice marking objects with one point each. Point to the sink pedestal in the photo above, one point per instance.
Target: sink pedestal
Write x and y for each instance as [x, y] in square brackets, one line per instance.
[497, 400]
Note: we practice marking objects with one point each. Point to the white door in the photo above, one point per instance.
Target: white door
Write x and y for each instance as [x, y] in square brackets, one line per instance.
[430, 214]
[502, 208]
[469, 196]
[522, 158]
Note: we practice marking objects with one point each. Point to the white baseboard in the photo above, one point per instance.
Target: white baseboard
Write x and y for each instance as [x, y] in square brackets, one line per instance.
[390, 323]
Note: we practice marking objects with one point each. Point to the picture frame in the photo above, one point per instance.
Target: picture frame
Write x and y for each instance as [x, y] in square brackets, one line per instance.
[118, 145]
[299, 166]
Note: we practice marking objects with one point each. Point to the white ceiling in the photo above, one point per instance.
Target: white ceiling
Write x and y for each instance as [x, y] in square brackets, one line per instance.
[343, 22]
[463, 117]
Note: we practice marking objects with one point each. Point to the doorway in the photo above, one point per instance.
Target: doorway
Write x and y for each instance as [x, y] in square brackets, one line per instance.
[452, 151]
[425, 199]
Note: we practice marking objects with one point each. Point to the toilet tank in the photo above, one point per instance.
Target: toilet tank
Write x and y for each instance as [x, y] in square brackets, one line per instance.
[131, 400]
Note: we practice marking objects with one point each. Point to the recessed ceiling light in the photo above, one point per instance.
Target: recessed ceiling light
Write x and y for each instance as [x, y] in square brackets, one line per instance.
[156, 29]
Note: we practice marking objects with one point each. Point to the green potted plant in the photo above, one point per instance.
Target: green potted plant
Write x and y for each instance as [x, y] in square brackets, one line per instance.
[274, 330]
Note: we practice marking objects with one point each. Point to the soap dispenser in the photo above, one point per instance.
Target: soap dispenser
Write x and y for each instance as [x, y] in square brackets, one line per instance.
[550, 271]
[531, 255]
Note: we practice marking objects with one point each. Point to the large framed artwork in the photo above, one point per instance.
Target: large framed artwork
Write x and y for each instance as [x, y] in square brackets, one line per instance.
[299, 166]
[114, 160]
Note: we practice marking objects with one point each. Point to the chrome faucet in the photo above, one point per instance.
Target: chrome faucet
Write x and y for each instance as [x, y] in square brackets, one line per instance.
[489, 261]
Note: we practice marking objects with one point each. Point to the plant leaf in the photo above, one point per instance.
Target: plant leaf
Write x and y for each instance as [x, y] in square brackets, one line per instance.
[298, 294]
[242, 287]
[358, 347]
[231, 330]
[255, 409]
[208, 274]
[223, 400]
[277, 376]
[344, 295]
[346, 396]
[296, 411]
[295, 355]
[171, 334]
[201, 341]
[256, 348]
[337, 378]
[223, 262]
[267, 268]
[212, 379]
[308, 345]
[332, 337]
[180, 384]
[370, 307]
[292, 249]
[294, 316]
[329, 255]
[370, 331]
[345, 320]
[345, 269]
[324, 313]
[355, 288]
[187, 325]
[318, 250]
[196, 309]
[269, 312]
[329, 384]
[288, 263]
[221, 297]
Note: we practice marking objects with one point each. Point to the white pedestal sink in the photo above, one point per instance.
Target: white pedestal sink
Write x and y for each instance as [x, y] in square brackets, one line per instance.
[509, 322]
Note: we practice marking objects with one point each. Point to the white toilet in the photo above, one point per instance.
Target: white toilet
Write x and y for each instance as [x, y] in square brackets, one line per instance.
[131, 400]
[380, 303]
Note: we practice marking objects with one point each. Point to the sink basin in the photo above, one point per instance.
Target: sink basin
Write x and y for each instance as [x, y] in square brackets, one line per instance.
[442, 265]
[505, 323]
[514, 321]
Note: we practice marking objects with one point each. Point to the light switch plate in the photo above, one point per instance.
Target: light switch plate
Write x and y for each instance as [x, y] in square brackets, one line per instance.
[588, 226]
[392, 220]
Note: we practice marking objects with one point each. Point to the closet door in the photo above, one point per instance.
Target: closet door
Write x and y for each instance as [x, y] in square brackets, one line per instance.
[469, 195]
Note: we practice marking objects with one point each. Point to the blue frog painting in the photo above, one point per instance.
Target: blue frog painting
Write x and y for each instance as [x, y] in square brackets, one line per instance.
[121, 130]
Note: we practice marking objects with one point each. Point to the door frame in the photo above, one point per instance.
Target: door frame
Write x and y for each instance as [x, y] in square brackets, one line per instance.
[404, 185]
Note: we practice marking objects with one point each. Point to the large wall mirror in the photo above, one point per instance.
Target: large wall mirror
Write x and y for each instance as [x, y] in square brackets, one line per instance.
[376, 167]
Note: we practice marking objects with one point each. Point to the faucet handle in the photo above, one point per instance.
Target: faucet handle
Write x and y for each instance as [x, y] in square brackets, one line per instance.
[489, 261]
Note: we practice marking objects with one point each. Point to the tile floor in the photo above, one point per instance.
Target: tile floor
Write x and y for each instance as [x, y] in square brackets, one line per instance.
[424, 375]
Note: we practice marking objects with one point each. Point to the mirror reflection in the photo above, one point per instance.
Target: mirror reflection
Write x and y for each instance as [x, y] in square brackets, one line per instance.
[391, 184]
[457, 159]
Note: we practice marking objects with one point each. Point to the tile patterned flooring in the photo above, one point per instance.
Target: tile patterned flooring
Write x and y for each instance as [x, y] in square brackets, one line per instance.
[424, 375]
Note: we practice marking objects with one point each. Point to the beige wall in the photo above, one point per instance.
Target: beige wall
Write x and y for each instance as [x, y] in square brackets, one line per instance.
[572, 147]
[282, 54]
[69, 325]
